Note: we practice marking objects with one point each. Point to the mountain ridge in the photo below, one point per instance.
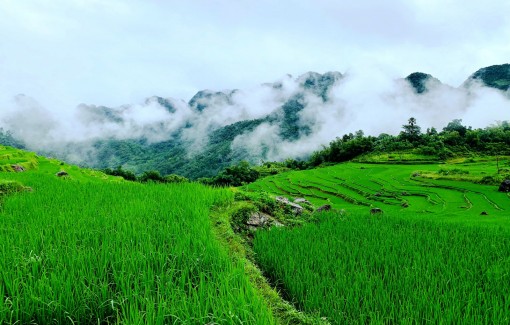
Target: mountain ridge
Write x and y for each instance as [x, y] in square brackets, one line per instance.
[215, 129]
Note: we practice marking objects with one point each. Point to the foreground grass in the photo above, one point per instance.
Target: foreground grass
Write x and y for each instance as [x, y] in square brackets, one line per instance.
[77, 251]
[362, 269]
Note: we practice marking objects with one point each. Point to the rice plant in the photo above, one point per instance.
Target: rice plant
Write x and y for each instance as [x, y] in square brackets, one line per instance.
[363, 269]
[84, 251]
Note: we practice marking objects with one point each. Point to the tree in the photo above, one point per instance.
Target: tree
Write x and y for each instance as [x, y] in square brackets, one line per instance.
[412, 132]
[456, 125]
[152, 176]
[236, 175]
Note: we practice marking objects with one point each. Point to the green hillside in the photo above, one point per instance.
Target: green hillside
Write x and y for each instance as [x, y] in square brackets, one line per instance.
[495, 76]
[442, 190]
[410, 243]
[86, 248]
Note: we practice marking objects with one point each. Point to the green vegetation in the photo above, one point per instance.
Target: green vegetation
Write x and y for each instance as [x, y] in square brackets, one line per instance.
[90, 248]
[438, 252]
[455, 140]
[363, 269]
[496, 76]
[454, 190]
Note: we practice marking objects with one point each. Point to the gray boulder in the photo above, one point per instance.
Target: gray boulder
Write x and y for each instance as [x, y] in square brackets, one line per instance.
[300, 200]
[296, 208]
[258, 219]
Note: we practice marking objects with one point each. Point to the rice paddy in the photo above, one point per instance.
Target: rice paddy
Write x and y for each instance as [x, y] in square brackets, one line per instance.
[396, 189]
[89, 249]
[440, 252]
[362, 269]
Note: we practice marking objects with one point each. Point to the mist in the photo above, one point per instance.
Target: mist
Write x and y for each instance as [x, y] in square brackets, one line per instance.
[367, 99]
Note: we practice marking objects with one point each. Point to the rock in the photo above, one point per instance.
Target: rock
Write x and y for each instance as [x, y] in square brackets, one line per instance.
[276, 223]
[300, 200]
[18, 168]
[61, 173]
[296, 208]
[376, 211]
[325, 207]
[505, 186]
[405, 205]
[258, 219]
[484, 213]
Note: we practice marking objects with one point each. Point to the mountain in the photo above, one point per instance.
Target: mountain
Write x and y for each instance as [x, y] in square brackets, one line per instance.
[495, 76]
[289, 118]
[422, 82]
[202, 144]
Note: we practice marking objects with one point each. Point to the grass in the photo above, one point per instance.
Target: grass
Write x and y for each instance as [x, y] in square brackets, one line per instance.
[361, 269]
[88, 248]
[414, 190]
[432, 257]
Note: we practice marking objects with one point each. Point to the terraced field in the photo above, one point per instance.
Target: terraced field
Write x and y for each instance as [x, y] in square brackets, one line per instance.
[432, 257]
[410, 189]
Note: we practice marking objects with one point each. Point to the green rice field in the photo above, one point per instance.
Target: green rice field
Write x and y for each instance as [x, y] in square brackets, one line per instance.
[92, 249]
[430, 257]
[397, 189]
[362, 269]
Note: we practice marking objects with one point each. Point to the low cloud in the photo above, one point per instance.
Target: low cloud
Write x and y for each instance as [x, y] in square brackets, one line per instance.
[368, 100]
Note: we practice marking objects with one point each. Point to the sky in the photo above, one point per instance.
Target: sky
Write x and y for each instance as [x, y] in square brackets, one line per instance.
[67, 52]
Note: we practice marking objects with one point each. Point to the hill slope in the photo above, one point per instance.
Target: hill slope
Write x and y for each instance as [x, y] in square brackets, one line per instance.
[89, 248]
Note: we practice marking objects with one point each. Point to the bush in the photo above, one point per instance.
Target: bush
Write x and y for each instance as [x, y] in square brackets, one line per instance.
[126, 174]
[173, 178]
[152, 176]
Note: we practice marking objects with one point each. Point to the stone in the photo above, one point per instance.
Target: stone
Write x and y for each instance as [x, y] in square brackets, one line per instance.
[61, 173]
[505, 186]
[325, 207]
[300, 200]
[405, 205]
[258, 219]
[484, 213]
[376, 211]
[18, 168]
[296, 208]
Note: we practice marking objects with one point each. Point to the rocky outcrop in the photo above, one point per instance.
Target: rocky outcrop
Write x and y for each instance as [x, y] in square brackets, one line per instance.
[258, 219]
[296, 208]
[61, 173]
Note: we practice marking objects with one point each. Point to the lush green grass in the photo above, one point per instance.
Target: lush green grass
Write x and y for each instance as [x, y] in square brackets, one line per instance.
[431, 257]
[364, 269]
[89, 249]
[429, 193]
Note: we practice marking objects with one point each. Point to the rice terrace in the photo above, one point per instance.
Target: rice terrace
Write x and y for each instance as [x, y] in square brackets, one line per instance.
[86, 247]
[254, 162]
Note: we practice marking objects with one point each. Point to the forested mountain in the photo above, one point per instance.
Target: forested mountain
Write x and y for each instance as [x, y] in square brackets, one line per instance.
[289, 118]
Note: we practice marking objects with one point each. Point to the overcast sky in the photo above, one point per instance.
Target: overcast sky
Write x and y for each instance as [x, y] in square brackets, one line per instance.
[112, 52]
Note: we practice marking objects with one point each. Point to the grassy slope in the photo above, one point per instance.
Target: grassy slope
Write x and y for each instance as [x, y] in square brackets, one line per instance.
[358, 187]
[436, 260]
[89, 248]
